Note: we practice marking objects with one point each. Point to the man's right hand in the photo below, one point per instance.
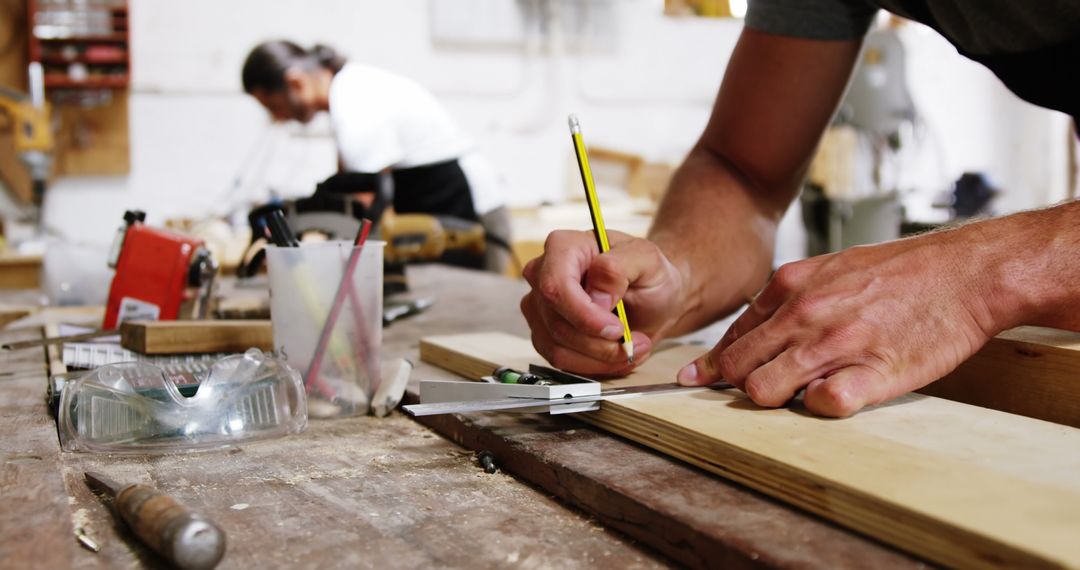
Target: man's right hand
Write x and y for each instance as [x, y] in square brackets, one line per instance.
[712, 239]
[574, 290]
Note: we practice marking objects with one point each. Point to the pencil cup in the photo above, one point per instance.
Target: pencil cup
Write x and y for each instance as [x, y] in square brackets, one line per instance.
[328, 320]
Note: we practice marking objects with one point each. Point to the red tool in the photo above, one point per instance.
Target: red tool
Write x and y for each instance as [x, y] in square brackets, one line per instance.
[160, 275]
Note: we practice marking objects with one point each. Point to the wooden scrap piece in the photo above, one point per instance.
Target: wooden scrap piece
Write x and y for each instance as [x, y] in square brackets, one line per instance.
[1030, 371]
[11, 313]
[20, 271]
[957, 484]
[196, 337]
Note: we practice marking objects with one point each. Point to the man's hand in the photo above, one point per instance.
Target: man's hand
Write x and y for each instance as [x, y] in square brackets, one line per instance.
[711, 243]
[862, 326]
[574, 289]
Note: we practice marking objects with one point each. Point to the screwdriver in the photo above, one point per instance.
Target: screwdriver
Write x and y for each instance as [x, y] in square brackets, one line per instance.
[187, 539]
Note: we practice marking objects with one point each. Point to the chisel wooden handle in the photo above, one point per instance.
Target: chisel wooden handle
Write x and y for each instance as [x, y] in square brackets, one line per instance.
[187, 539]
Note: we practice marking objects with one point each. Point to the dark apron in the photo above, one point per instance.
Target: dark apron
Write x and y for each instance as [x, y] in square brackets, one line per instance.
[439, 188]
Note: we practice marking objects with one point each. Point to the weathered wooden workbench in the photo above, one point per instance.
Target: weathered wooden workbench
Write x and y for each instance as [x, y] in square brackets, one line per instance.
[364, 492]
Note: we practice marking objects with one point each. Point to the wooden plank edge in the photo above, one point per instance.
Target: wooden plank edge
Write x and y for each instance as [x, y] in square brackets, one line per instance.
[913, 532]
[195, 337]
[1029, 371]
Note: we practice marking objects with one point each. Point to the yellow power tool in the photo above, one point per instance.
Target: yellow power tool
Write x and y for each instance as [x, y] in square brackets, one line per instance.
[28, 117]
[424, 237]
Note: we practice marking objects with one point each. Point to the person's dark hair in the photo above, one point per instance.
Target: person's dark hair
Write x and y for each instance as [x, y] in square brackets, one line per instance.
[264, 68]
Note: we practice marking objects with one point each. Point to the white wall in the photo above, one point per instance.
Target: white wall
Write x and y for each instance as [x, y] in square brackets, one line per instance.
[645, 87]
[973, 123]
[193, 129]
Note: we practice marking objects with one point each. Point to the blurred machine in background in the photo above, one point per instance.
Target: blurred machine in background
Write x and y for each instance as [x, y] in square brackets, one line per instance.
[852, 195]
[72, 120]
[27, 117]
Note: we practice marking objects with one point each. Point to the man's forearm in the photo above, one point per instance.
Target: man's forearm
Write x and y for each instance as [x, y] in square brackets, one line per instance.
[720, 235]
[718, 222]
[1034, 257]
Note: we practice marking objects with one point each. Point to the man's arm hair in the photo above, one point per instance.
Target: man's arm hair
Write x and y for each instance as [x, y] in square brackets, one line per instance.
[717, 222]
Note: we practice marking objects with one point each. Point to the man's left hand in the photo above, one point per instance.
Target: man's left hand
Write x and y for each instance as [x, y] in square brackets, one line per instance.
[859, 327]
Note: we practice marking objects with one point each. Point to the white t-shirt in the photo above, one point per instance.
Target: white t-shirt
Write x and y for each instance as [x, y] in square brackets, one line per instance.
[383, 120]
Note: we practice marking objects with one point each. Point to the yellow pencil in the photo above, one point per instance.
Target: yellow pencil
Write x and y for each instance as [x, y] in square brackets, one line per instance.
[598, 224]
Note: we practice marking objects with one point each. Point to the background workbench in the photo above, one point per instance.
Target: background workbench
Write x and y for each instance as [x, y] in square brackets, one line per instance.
[390, 492]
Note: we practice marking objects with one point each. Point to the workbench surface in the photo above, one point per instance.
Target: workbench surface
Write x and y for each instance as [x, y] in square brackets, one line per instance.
[364, 492]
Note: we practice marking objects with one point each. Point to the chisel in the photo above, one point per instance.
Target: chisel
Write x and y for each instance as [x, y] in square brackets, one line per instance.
[187, 539]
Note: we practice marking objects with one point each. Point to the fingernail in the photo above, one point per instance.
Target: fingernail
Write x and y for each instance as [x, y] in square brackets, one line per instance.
[612, 332]
[688, 376]
[601, 299]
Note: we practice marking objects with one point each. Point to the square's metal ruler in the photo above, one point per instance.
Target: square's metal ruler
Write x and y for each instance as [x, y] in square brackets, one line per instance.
[88, 355]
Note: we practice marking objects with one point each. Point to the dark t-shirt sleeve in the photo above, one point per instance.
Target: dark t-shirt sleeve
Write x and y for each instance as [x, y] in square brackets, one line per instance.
[811, 19]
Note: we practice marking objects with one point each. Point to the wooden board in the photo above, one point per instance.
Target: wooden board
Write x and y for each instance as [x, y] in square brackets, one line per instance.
[37, 529]
[196, 337]
[20, 271]
[957, 484]
[359, 492]
[354, 492]
[1029, 371]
